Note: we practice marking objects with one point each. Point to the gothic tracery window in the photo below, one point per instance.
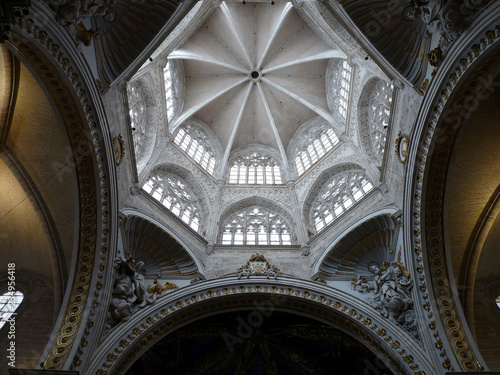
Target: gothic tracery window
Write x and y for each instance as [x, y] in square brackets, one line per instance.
[169, 90]
[379, 110]
[313, 147]
[254, 169]
[9, 302]
[197, 146]
[337, 196]
[173, 193]
[342, 86]
[256, 226]
[137, 109]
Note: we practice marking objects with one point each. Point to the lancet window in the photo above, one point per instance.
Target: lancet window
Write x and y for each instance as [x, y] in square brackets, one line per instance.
[173, 193]
[313, 147]
[341, 86]
[169, 90]
[256, 226]
[197, 146]
[137, 109]
[253, 169]
[379, 110]
[337, 196]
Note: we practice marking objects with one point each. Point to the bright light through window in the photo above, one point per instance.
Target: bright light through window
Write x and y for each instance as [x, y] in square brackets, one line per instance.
[197, 146]
[169, 90]
[254, 169]
[379, 110]
[137, 113]
[337, 196]
[9, 302]
[173, 193]
[256, 226]
[313, 147]
[342, 86]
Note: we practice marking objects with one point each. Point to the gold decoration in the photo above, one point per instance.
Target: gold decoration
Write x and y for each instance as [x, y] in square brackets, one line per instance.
[157, 288]
[119, 148]
[422, 89]
[402, 147]
[85, 35]
[141, 337]
[435, 56]
[453, 326]
[72, 100]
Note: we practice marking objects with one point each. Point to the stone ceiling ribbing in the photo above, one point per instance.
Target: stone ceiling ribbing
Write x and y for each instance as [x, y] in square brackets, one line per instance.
[287, 59]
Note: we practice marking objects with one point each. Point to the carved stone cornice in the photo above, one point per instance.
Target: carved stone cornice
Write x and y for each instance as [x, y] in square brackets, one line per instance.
[184, 305]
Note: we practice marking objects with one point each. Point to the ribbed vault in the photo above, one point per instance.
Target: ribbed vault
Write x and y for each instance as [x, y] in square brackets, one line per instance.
[254, 74]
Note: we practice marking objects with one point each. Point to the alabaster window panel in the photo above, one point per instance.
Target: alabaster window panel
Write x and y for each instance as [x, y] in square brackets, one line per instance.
[137, 113]
[9, 302]
[313, 146]
[169, 90]
[341, 85]
[197, 146]
[337, 196]
[256, 226]
[254, 169]
[173, 193]
[379, 110]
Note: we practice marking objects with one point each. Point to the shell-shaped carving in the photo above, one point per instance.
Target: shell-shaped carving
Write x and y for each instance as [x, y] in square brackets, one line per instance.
[372, 241]
[160, 252]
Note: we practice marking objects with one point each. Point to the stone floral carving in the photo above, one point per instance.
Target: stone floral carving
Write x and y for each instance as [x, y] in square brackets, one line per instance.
[392, 294]
[129, 291]
[448, 18]
[305, 249]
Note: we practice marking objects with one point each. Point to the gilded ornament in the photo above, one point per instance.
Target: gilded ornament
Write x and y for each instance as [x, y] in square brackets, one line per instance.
[119, 148]
[402, 147]
[435, 56]
[158, 289]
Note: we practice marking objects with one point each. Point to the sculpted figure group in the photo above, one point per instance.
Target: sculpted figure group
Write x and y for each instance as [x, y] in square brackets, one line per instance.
[448, 18]
[71, 12]
[129, 291]
[391, 293]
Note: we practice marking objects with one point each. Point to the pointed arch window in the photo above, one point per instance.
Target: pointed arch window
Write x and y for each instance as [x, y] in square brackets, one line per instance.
[337, 196]
[197, 146]
[379, 110]
[9, 302]
[173, 193]
[137, 109]
[169, 90]
[341, 83]
[314, 147]
[256, 226]
[345, 86]
[254, 169]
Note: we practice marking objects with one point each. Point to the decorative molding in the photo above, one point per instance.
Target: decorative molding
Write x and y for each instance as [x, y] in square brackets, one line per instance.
[185, 304]
[118, 149]
[10, 11]
[402, 147]
[440, 135]
[88, 143]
